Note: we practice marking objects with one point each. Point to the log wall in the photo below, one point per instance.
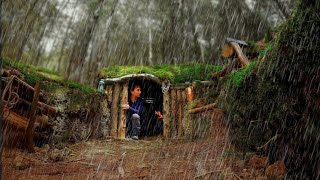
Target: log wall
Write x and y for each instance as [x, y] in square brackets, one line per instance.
[174, 102]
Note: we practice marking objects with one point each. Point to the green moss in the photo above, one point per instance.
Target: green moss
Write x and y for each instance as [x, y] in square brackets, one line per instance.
[81, 87]
[237, 77]
[267, 49]
[176, 74]
[33, 74]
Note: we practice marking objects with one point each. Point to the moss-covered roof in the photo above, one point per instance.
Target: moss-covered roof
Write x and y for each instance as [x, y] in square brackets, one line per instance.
[175, 73]
[33, 74]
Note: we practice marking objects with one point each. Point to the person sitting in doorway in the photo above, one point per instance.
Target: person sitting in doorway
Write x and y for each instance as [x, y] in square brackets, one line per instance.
[134, 107]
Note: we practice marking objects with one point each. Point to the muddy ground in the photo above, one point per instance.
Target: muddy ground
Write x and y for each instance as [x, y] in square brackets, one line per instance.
[147, 158]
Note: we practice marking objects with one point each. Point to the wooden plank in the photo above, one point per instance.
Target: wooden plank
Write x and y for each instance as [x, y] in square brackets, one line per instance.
[15, 119]
[123, 113]
[48, 110]
[32, 118]
[166, 114]
[180, 104]
[173, 118]
[114, 109]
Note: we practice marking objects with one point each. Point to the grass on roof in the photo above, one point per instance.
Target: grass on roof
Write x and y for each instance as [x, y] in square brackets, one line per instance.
[33, 74]
[175, 73]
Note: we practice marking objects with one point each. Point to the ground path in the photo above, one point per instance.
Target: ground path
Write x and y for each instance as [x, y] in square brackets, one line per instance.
[148, 158]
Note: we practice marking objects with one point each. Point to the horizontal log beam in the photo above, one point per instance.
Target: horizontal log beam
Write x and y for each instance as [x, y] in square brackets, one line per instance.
[203, 108]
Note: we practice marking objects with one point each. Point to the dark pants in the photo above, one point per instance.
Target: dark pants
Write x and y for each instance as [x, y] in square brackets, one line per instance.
[133, 125]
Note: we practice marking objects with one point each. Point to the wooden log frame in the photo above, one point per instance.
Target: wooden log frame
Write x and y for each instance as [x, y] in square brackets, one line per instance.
[180, 115]
[174, 101]
[123, 113]
[173, 117]
[114, 109]
[32, 118]
[166, 114]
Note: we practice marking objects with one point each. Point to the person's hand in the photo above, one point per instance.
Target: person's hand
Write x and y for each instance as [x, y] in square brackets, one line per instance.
[125, 106]
[159, 115]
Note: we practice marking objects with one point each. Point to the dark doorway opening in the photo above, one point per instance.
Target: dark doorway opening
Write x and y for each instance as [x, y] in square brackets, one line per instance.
[152, 95]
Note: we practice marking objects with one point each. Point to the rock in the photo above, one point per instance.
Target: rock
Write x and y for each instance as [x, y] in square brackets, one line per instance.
[56, 155]
[21, 163]
[276, 170]
[258, 162]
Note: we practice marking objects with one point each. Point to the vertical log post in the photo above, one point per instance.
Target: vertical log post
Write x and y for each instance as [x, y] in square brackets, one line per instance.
[173, 113]
[183, 102]
[123, 113]
[179, 100]
[166, 114]
[109, 93]
[114, 109]
[189, 94]
[32, 118]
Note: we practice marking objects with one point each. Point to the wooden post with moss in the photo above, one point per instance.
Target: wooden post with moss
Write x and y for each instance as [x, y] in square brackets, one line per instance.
[114, 109]
[123, 113]
[166, 114]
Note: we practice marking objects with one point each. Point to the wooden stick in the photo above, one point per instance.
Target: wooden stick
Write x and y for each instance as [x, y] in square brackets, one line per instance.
[32, 118]
[203, 108]
[274, 138]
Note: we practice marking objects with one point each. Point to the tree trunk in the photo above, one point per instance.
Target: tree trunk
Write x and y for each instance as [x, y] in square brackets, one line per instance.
[80, 49]
[96, 57]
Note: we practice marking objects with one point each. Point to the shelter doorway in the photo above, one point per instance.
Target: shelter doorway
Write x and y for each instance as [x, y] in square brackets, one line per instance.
[152, 95]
